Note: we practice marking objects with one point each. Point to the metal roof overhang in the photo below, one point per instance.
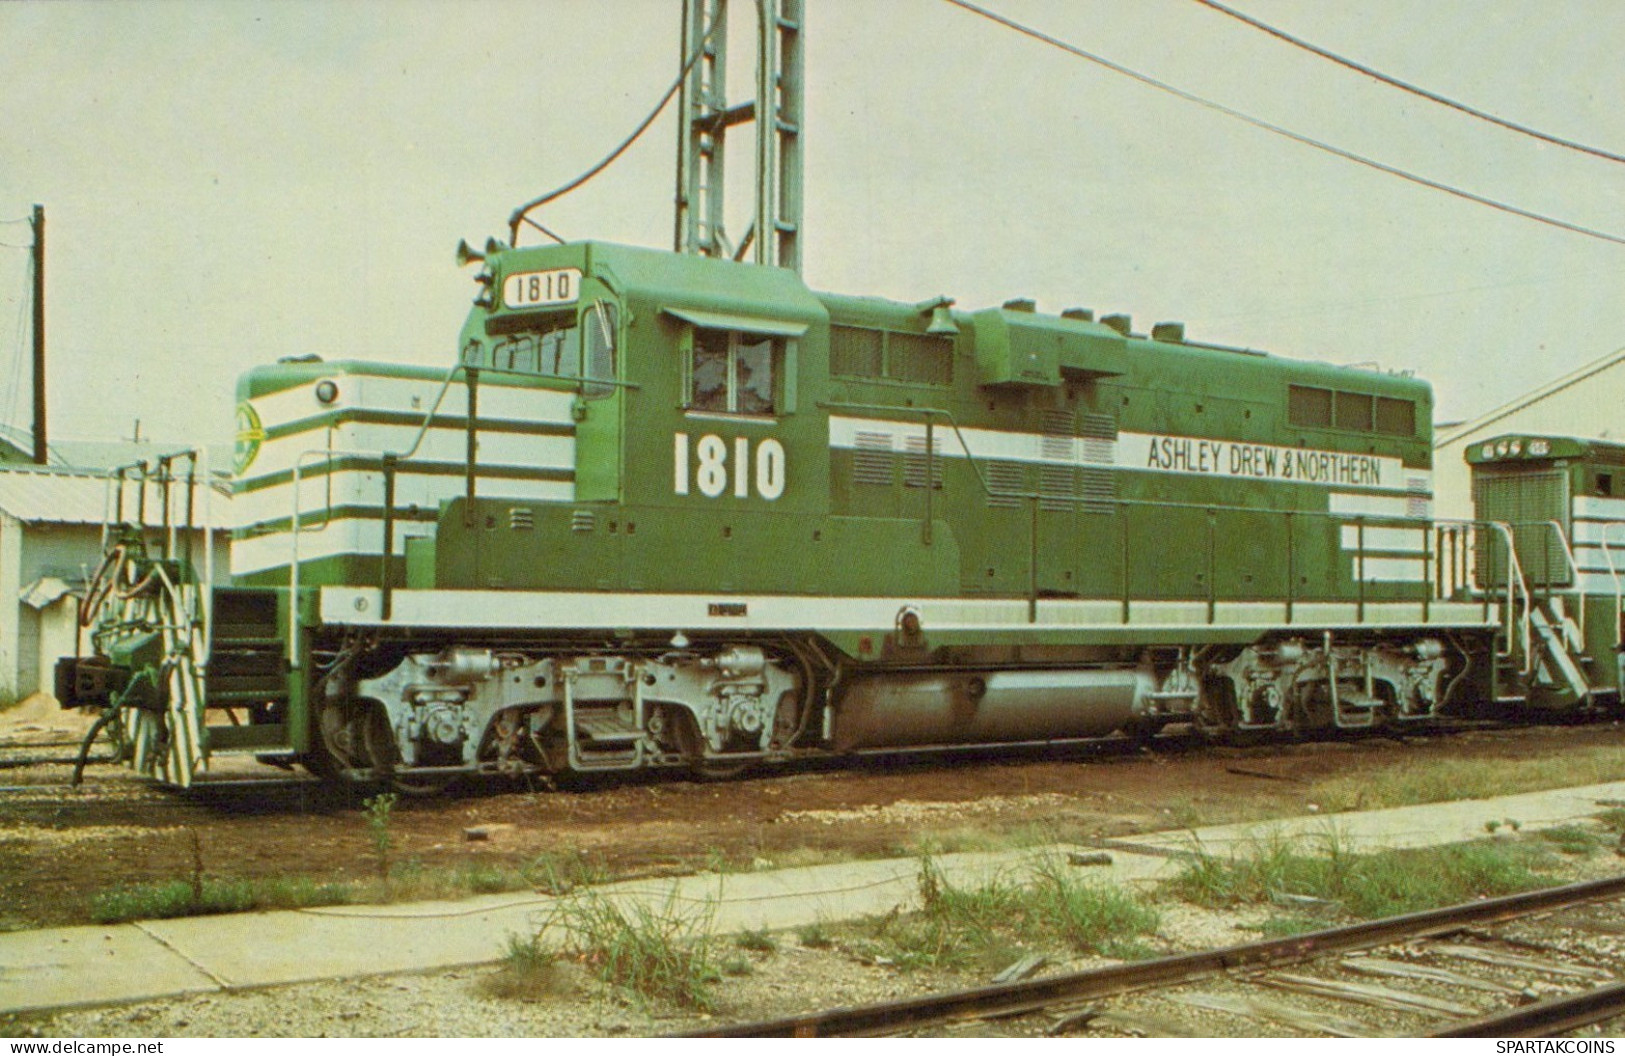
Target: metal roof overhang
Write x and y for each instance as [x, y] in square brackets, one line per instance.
[744, 323]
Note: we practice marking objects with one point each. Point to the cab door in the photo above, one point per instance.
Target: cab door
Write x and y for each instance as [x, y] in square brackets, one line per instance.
[599, 409]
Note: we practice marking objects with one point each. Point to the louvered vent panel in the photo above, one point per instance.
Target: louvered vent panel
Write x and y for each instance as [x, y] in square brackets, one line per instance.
[1006, 481]
[1058, 474]
[914, 462]
[854, 351]
[872, 461]
[1097, 484]
[920, 359]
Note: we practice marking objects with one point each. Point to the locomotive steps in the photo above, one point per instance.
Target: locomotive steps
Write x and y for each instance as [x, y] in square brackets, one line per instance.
[80, 966]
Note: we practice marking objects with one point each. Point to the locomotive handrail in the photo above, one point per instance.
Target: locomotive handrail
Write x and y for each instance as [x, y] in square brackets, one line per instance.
[1578, 588]
[1613, 574]
[1514, 565]
[1574, 567]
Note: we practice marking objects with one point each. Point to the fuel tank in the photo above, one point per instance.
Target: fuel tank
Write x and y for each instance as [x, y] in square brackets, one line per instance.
[987, 707]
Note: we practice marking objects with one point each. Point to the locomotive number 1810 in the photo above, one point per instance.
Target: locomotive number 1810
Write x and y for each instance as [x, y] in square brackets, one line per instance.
[714, 467]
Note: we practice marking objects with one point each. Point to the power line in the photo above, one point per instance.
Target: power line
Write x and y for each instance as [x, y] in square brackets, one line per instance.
[519, 216]
[14, 380]
[1296, 137]
[1406, 86]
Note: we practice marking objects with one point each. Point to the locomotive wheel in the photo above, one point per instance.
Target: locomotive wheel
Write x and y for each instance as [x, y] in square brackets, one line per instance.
[383, 755]
[686, 732]
[333, 744]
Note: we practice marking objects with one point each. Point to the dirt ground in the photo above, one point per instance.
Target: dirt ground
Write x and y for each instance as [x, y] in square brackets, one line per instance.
[59, 847]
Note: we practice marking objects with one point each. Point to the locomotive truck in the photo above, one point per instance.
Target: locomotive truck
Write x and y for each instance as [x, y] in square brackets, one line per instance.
[674, 511]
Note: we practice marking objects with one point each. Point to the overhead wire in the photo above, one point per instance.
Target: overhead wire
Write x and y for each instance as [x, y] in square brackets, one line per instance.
[1406, 86]
[14, 380]
[1286, 133]
[519, 215]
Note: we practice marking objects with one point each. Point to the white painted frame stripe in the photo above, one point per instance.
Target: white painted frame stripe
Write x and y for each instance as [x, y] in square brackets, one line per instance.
[710, 612]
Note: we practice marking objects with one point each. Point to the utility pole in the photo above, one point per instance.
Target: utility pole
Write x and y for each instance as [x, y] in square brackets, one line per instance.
[41, 453]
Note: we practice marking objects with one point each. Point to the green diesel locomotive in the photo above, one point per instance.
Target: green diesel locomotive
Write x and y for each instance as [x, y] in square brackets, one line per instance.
[673, 511]
[668, 509]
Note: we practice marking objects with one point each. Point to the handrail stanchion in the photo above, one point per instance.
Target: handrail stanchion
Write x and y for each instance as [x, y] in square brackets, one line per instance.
[1613, 575]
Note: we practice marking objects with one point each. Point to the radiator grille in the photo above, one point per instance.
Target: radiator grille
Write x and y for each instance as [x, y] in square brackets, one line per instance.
[1523, 499]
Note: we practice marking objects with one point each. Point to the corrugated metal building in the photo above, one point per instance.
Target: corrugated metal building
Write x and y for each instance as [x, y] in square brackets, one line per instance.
[50, 544]
[1585, 404]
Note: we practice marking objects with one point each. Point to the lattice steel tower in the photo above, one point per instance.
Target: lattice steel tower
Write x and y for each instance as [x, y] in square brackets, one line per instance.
[774, 234]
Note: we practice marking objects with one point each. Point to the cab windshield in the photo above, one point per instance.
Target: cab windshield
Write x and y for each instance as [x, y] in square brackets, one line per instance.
[564, 346]
[553, 348]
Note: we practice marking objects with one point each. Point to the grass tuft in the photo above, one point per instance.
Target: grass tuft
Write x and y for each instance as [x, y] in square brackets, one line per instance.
[757, 940]
[408, 881]
[1572, 839]
[185, 898]
[997, 922]
[1381, 884]
[562, 872]
[529, 972]
[815, 936]
[659, 953]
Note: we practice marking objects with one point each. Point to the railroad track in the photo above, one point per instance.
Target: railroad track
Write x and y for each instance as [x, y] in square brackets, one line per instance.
[1530, 965]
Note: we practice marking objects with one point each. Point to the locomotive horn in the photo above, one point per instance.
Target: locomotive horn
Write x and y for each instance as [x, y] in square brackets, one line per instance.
[467, 253]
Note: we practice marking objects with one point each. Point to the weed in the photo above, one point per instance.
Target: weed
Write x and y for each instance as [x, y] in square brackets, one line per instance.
[1367, 885]
[180, 898]
[197, 867]
[737, 965]
[529, 972]
[1571, 839]
[659, 953]
[560, 873]
[378, 809]
[1492, 826]
[1088, 915]
[1000, 920]
[1127, 949]
[1613, 819]
[1284, 927]
[815, 936]
[757, 940]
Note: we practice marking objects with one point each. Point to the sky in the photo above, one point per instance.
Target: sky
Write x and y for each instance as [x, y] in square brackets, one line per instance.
[226, 183]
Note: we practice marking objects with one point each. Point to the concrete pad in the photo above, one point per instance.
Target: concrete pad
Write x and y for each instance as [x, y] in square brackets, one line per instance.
[1423, 825]
[290, 946]
[64, 967]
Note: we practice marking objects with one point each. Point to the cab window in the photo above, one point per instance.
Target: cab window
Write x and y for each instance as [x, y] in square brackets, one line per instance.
[550, 348]
[734, 373]
[598, 322]
[563, 347]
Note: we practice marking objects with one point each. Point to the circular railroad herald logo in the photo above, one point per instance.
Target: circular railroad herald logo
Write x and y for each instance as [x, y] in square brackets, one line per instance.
[250, 434]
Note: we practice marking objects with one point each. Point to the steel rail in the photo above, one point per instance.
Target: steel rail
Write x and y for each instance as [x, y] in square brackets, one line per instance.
[1032, 995]
[1543, 1019]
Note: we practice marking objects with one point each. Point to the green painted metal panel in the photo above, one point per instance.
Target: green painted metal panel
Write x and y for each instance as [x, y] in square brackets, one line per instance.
[748, 324]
